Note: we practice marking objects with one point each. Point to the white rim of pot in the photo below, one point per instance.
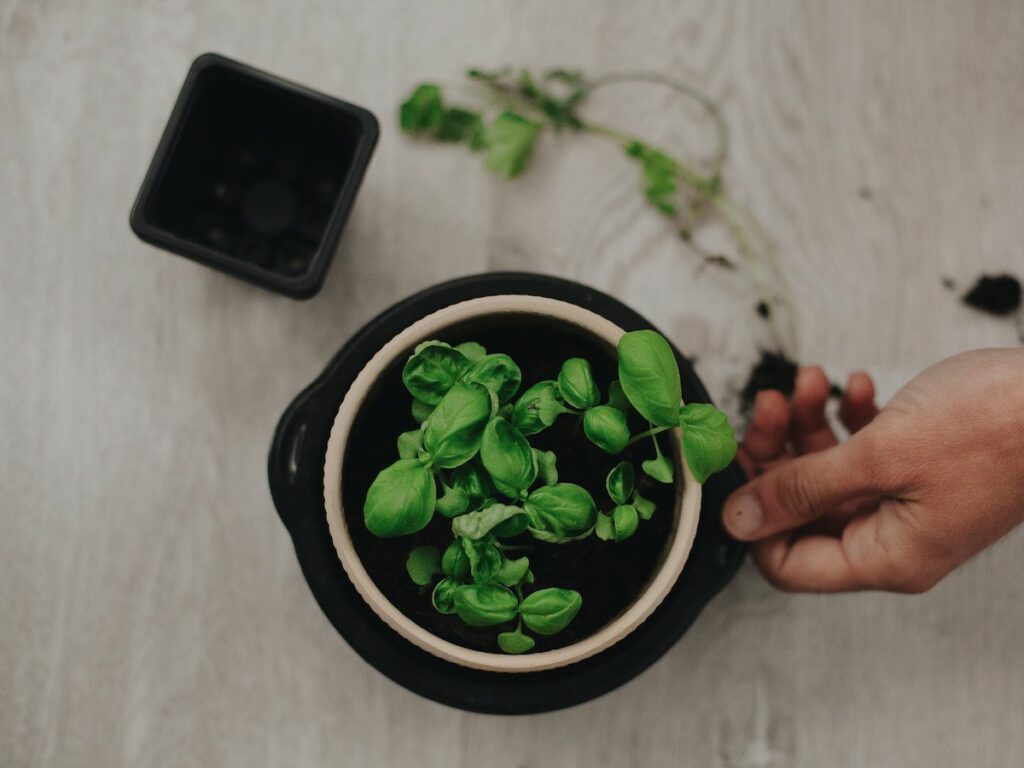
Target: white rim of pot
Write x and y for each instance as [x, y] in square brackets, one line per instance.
[687, 509]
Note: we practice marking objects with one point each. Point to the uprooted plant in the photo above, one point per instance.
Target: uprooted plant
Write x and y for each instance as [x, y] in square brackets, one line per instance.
[516, 108]
[473, 442]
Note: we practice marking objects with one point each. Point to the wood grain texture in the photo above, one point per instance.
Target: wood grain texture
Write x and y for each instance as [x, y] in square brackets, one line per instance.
[151, 608]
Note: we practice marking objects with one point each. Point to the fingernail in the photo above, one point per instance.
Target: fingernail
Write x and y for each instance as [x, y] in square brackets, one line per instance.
[743, 515]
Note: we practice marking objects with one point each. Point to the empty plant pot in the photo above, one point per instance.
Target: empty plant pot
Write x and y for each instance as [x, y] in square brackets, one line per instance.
[255, 176]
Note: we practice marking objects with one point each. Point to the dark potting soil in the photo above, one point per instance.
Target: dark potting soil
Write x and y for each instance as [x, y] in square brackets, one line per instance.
[774, 370]
[996, 294]
[609, 576]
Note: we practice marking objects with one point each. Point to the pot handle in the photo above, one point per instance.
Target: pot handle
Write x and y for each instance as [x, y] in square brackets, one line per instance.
[287, 465]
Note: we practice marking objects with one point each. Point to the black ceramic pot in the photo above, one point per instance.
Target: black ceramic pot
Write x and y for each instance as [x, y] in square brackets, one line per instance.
[296, 468]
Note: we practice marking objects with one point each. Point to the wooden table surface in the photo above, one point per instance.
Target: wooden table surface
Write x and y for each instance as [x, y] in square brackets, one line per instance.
[152, 611]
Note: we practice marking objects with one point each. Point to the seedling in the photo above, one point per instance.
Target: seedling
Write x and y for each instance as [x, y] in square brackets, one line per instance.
[471, 461]
[511, 110]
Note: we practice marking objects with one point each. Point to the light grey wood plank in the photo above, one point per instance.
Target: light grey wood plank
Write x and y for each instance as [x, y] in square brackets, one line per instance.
[151, 609]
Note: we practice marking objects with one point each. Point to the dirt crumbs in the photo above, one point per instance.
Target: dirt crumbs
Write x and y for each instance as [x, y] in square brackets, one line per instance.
[773, 370]
[998, 295]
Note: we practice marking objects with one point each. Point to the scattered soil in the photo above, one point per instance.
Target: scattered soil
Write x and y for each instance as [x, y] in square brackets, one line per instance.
[998, 295]
[774, 370]
[609, 576]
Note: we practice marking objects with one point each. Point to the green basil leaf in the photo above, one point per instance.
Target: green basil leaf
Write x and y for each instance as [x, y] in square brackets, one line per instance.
[476, 525]
[512, 571]
[400, 500]
[644, 507]
[620, 482]
[443, 596]
[604, 529]
[507, 458]
[509, 141]
[515, 642]
[660, 468]
[471, 350]
[548, 611]
[576, 384]
[456, 427]
[458, 125]
[421, 411]
[422, 564]
[422, 111]
[429, 343]
[484, 558]
[709, 443]
[432, 370]
[454, 562]
[649, 376]
[453, 502]
[499, 373]
[617, 398]
[410, 444]
[474, 481]
[538, 408]
[484, 605]
[606, 428]
[511, 527]
[564, 509]
[556, 538]
[625, 520]
[546, 466]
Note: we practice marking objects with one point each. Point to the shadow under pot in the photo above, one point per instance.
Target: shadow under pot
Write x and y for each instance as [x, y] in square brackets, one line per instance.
[609, 587]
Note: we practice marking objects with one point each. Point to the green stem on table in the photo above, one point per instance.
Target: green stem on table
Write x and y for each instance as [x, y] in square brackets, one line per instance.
[755, 248]
[709, 106]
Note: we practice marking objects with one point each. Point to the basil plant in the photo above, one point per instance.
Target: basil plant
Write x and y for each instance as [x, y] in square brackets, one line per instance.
[471, 461]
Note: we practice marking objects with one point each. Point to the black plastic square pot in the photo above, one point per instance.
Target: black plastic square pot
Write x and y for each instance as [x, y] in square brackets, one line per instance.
[255, 176]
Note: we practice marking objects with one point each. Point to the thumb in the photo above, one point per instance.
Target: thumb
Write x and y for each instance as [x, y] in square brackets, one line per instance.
[798, 492]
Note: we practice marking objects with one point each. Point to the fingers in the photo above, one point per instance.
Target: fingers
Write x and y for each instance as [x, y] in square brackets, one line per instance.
[799, 491]
[810, 430]
[765, 440]
[858, 408]
[876, 551]
[766, 437]
[813, 563]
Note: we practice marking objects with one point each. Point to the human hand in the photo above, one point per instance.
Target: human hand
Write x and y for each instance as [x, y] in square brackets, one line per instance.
[919, 487]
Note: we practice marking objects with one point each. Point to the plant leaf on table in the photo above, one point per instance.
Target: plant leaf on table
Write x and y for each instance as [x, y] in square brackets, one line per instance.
[508, 142]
